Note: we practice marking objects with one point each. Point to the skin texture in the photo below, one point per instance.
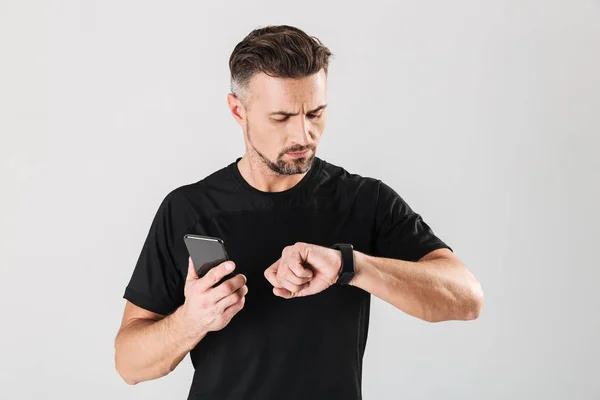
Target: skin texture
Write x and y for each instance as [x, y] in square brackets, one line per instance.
[150, 345]
[265, 164]
[436, 288]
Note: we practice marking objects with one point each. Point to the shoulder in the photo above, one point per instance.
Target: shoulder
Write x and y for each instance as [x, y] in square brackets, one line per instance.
[375, 190]
[205, 196]
[347, 178]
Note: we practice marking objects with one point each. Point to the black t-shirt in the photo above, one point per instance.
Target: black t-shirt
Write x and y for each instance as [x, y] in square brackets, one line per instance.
[303, 348]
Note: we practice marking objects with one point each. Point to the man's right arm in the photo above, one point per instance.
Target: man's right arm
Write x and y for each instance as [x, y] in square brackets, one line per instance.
[150, 345]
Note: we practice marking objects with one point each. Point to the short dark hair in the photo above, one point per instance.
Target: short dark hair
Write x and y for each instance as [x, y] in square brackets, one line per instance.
[280, 51]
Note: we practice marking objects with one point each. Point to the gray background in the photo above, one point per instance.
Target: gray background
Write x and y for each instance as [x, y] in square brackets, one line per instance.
[482, 115]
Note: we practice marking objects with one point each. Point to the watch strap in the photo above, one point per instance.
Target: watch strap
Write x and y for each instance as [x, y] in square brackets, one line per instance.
[347, 270]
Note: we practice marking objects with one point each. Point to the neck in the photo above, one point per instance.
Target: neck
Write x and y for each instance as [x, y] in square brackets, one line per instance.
[261, 177]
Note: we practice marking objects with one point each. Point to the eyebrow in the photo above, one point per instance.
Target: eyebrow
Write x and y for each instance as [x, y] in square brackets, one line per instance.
[289, 114]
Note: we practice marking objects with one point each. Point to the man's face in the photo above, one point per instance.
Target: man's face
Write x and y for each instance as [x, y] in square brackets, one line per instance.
[271, 134]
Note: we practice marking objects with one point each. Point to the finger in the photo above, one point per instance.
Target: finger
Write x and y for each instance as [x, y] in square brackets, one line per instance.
[284, 267]
[292, 274]
[191, 274]
[232, 298]
[286, 294]
[228, 287]
[299, 270]
[283, 278]
[271, 273]
[230, 311]
[281, 292]
[310, 288]
[291, 277]
[292, 287]
[215, 274]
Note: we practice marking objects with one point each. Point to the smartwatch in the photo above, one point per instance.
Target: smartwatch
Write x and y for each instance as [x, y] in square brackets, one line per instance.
[347, 269]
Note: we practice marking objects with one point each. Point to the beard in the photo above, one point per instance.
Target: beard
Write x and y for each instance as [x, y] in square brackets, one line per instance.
[283, 167]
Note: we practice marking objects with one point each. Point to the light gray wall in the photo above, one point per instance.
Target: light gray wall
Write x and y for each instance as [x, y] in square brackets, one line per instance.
[482, 115]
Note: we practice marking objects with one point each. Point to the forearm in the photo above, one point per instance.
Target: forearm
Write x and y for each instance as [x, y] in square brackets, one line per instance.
[147, 349]
[433, 290]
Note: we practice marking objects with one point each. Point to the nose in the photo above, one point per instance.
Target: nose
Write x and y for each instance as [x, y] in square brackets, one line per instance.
[302, 135]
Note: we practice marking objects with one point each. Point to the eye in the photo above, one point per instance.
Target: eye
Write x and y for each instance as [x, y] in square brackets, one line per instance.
[311, 116]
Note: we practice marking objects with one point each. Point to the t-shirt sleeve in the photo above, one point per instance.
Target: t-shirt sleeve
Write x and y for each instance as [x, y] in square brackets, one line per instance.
[400, 232]
[158, 279]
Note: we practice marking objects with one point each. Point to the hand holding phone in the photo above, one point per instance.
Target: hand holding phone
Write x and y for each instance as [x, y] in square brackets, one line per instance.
[209, 308]
[211, 300]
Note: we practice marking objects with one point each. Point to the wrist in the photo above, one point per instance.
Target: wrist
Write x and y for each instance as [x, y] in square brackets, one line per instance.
[185, 329]
[358, 263]
[338, 265]
[360, 266]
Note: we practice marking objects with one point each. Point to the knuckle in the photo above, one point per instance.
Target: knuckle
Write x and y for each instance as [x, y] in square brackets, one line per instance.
[211, 276]
[218, 311]
[229, 286]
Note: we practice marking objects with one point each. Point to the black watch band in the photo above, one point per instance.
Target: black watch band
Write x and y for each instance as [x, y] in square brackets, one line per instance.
[347, 269]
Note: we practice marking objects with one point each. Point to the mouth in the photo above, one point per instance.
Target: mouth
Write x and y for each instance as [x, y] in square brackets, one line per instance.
[298, 154]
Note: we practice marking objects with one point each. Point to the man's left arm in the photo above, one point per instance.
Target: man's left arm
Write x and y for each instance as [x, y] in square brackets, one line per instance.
[437, 287]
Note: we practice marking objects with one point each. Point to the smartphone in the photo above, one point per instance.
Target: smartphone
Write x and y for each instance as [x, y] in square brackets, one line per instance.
[207, 252]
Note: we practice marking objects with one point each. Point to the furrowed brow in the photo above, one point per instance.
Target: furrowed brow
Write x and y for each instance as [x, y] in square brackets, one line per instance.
[289, 114]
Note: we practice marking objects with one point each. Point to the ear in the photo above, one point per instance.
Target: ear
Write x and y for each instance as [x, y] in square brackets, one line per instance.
[237, 109]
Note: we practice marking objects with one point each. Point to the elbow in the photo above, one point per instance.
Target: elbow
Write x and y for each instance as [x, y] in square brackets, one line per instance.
[467, 309]
[129, 381]
[126, 377]
[131, 375]
[121, 370]
[475, 302]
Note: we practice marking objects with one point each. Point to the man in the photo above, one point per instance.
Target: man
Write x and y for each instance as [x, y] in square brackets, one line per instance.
[292, 322]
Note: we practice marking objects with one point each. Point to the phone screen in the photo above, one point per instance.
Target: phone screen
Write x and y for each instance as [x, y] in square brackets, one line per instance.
[206, 252]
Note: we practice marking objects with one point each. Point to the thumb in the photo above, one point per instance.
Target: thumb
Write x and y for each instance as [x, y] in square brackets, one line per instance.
[191, 275]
